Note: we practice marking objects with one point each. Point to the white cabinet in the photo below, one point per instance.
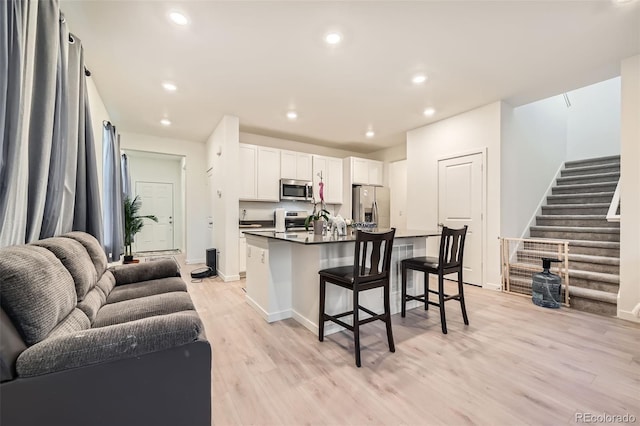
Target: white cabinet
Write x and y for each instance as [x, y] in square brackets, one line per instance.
[366, 172]
[248, 157]
[259, 173]
[375, 173]
[331, 170]
[268, 174]
[242, 250]
[295, 165]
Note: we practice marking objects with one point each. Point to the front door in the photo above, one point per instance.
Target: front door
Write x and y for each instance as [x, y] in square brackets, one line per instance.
[460, 195]
[157, 200]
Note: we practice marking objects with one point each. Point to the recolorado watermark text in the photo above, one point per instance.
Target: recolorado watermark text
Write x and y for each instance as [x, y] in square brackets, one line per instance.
[605, 418]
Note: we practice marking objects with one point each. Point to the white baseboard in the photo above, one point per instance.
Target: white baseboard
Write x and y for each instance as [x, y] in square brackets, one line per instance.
[276, 316]
[195, 261]
[492, 286]
[228, 278]
[329, 328]
[628, 316]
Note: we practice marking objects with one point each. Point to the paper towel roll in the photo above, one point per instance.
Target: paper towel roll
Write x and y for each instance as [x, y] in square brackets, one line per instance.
[280, 220]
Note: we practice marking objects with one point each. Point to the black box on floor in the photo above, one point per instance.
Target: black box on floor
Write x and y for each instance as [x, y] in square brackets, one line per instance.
[211, 261]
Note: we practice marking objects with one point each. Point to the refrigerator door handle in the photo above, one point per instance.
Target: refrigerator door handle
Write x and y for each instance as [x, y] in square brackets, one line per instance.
[374, 212]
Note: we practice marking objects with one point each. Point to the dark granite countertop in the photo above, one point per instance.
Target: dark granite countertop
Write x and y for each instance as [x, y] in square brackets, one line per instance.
[304, 237]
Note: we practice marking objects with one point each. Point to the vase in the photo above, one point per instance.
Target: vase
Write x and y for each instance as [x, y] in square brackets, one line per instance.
[318, 227]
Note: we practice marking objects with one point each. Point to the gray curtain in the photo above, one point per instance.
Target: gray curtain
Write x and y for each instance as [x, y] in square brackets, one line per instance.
[126, 177]
[112, 194]
[40, 101]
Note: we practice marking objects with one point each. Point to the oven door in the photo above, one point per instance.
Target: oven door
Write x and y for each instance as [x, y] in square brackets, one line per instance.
[295, 190]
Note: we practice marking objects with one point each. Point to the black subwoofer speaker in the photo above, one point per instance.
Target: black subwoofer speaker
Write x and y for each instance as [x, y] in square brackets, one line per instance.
[212, 261]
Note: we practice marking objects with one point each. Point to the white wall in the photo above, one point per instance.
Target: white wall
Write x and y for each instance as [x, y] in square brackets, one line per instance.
[397, 181]
[472, 131]
[99, 114]
[533, 150]
[253, 139]
[223, 180]
[196, 207]
[593, 127]
[629, 295]
[161, 168]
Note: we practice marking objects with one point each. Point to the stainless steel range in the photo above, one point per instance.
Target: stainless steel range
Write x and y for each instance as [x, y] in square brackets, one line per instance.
[294, 220]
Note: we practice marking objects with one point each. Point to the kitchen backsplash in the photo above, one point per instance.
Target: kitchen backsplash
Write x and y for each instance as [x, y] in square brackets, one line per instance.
[256, 210]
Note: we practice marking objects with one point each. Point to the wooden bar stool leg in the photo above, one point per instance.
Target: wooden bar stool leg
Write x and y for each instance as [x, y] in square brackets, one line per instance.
[403, 309]
[426, 290]
[356, 326]
[443, 318]
[323, 286]
[461, 294]
[387, 313]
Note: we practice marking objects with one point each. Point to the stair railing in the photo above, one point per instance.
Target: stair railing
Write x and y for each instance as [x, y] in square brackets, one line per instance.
[613, 215]
[522, 257]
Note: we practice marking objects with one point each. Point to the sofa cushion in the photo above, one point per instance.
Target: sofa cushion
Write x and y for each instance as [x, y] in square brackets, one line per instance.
[133, 273]
[36, 290]
[146, 288]
[119, 341]
[92, 303]
[75, 258]
[93, 247]
[74, 322]
[143, 307]
[106, 283]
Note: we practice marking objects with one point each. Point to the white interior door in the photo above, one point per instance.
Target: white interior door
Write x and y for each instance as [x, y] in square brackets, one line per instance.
[157, 200]
[460, 195]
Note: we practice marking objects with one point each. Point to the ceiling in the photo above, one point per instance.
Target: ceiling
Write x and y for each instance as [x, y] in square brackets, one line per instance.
[258, 60]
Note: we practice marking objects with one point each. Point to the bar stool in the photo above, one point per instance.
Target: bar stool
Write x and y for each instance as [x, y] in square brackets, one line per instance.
[361, 277]
[448, 262]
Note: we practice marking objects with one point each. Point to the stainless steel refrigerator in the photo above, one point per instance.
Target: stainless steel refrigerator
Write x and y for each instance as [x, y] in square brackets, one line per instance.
[371, 204]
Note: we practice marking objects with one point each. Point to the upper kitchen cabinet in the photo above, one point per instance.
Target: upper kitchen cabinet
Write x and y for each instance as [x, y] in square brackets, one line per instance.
[295, 165]
[260, 173]
[331, 170]
[366, 172]
[248, 156]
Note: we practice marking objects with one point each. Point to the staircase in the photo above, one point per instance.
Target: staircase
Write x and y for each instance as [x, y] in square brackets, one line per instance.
[576, 211]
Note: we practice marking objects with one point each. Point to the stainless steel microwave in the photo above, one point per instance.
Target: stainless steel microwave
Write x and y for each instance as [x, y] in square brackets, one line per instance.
[297, 190]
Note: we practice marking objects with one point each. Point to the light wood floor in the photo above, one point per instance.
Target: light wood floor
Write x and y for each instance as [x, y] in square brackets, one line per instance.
[514, 364]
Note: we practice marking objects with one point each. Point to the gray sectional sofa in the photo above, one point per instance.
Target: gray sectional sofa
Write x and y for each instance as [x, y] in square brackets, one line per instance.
[81, 344]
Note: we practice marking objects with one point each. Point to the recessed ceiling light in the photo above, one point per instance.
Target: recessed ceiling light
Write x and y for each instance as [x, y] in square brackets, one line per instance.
[165, 122]
[292, 115]
[169, 86]
[370, 133]
[333, 38]
[429, 112]
[178, 18]
[419, 79]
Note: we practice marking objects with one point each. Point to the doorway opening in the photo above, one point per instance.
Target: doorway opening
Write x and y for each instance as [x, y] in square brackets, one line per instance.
[159, 182]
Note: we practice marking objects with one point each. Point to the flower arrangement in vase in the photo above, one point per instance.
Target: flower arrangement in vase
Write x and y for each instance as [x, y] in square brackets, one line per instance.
[319, 215]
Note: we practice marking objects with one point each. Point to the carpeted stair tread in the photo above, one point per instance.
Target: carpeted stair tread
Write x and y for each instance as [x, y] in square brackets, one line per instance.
[594, 230]
[604, 260]
[592, 161]
[575, 220]
[587, 195]
[599, 177]
[585, 188]
[585, 275]
[590, 170]
[588, 293]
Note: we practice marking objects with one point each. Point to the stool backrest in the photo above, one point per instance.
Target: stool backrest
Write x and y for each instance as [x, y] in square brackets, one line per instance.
[372, 249]
[452, 247]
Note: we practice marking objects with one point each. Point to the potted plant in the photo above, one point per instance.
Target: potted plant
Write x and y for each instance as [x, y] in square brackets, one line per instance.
[316, 219]
[133, 223]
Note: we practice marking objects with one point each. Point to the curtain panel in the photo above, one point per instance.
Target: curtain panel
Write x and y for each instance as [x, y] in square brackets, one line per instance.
[48, 176]
[112, 194]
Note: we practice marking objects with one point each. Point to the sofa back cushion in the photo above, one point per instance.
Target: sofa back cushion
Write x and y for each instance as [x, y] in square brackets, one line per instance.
[93, 247]
[75, 258]
[36, 290]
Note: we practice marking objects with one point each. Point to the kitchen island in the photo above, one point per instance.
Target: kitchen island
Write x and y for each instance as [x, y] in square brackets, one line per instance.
[282, 273]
